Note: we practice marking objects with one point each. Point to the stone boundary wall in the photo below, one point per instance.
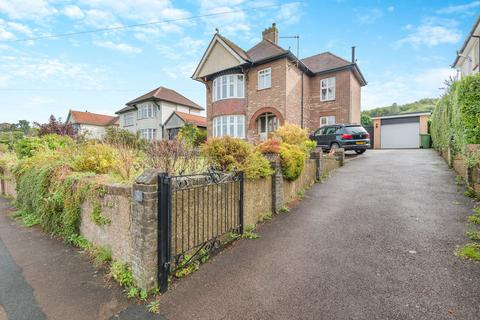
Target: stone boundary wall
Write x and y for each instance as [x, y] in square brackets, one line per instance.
[458, 163]
[132, 210]
[8, 186]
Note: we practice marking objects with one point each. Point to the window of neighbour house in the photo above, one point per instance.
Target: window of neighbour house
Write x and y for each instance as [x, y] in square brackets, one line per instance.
[264, 79]
[128, 119]
[228, 86]
[148, 134]
[327, 89]
[327, 120]
[147, 110]
[233, 126]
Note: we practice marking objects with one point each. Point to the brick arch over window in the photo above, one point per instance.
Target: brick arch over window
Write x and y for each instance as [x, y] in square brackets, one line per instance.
[253, 119]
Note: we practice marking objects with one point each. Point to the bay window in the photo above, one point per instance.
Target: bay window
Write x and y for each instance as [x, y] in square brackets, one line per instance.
[233, 126]
[148, 134]
[128, 119]
[228, 86]
[147, 110]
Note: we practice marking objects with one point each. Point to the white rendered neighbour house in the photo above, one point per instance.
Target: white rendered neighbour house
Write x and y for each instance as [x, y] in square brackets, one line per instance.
[91, 125]
[147, 114]
[468, 58]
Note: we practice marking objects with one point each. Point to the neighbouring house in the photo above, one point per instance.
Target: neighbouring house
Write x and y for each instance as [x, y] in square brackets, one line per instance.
[250, 93]
[148, 113]
[399, 131]
[90, 124]
[178, 119]
[467, 60]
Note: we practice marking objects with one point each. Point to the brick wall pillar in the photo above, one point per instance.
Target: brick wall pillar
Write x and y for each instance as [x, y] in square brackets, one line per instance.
[144, 230]
[277, 185]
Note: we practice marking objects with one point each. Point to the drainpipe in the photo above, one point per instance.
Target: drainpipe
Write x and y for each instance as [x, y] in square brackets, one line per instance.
[301, 106]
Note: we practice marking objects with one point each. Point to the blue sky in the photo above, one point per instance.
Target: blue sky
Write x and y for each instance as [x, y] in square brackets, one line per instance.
[404, 48]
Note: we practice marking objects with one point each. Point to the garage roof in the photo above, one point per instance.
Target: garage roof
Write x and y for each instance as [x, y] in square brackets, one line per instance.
[404, 115]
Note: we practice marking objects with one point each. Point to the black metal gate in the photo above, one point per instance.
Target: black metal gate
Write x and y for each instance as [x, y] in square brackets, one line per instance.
[194, 211]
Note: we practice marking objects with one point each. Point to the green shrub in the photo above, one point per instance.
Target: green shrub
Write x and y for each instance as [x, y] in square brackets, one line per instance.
[95, 157]
[27, 146]
[292, 159]
[291, 134]
[120, 137]
[455, 120]
[228, 154]
[256, 166]
[269, 146]
[192, 135]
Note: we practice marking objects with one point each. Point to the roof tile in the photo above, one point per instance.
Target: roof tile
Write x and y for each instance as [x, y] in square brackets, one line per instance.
[191, 118]
[93, 118]
[165, 94]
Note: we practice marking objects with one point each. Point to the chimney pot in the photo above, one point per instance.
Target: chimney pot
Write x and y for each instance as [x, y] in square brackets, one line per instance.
[271, 34]
[353, 54]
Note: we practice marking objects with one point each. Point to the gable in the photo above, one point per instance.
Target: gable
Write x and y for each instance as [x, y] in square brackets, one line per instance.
[218, 59]
[174, 122]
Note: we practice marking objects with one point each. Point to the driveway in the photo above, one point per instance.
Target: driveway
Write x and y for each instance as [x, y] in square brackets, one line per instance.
[376, 241]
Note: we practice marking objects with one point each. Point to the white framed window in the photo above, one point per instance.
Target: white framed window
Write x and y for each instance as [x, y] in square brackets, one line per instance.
[228, 86]
[327, 89]
[128, 119]
[327, 120]
[264, 79]
[147, 110]
[267, 123]
[148, 134]
[233, 125]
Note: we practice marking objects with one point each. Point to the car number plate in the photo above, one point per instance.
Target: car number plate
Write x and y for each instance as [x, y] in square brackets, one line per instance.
[360, 142]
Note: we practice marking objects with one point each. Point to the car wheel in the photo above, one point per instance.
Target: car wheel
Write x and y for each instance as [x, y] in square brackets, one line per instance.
[334, 146]
[360, 151]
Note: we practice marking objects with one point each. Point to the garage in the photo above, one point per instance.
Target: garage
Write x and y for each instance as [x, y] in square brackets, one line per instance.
[400, 131]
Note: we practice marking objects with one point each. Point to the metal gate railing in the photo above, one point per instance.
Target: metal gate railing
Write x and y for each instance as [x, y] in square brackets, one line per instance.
[194, 211]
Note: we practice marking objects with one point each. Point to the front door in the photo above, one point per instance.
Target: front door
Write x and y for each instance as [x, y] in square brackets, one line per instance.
[267, 123]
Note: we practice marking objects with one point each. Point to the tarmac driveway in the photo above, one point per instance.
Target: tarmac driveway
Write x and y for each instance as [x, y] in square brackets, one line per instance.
[376, 241]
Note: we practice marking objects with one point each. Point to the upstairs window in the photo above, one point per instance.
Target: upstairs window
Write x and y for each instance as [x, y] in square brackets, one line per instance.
[147, 110]
[128, 119]
[264, 79]
[228, 86]
[327, 89]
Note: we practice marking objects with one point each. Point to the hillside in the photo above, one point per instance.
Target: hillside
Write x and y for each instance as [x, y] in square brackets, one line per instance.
[417, 106]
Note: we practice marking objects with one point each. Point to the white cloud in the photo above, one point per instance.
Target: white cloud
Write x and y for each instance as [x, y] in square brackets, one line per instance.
[26, 9]
[431, 32]
[100, 19]
[393, 87]
[469, 8]
[368, 15]
[4, 79]
[6, 35]
[120, 47]
[289, 13]
[73, 12]
[18, 27]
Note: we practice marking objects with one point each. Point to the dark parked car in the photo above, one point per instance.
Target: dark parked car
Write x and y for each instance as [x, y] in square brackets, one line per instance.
[347, 136]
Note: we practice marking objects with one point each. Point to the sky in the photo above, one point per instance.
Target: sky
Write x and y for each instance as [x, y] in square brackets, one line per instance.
[404, 48]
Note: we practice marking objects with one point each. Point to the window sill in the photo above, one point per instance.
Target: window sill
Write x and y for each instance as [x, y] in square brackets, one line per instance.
[260, 89]
[232, 98]
[327, 100]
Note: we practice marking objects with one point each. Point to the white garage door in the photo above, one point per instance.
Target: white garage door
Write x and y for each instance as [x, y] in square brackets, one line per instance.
[400, 135]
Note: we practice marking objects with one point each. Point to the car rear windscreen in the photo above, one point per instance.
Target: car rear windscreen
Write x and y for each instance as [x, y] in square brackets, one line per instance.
[355, 129]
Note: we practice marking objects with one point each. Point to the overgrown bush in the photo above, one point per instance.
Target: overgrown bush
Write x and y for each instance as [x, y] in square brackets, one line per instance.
[291, 134]
[174, 157]
[26, 147]
[228, 154]
[192, 135]
[455, 120]
[269, 146]
[292, 159]
[95, 157]
[124, 138]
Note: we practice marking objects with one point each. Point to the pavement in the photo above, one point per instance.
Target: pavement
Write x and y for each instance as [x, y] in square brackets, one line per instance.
[375, 241]
[43, 278]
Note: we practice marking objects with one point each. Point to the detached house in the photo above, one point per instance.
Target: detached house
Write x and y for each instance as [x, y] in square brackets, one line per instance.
[250, 93]
[468, 58]
[92, 125]
[149, 113]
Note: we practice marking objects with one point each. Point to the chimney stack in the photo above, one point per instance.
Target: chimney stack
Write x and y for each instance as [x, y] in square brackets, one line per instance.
[353, 54]
[271, 34]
